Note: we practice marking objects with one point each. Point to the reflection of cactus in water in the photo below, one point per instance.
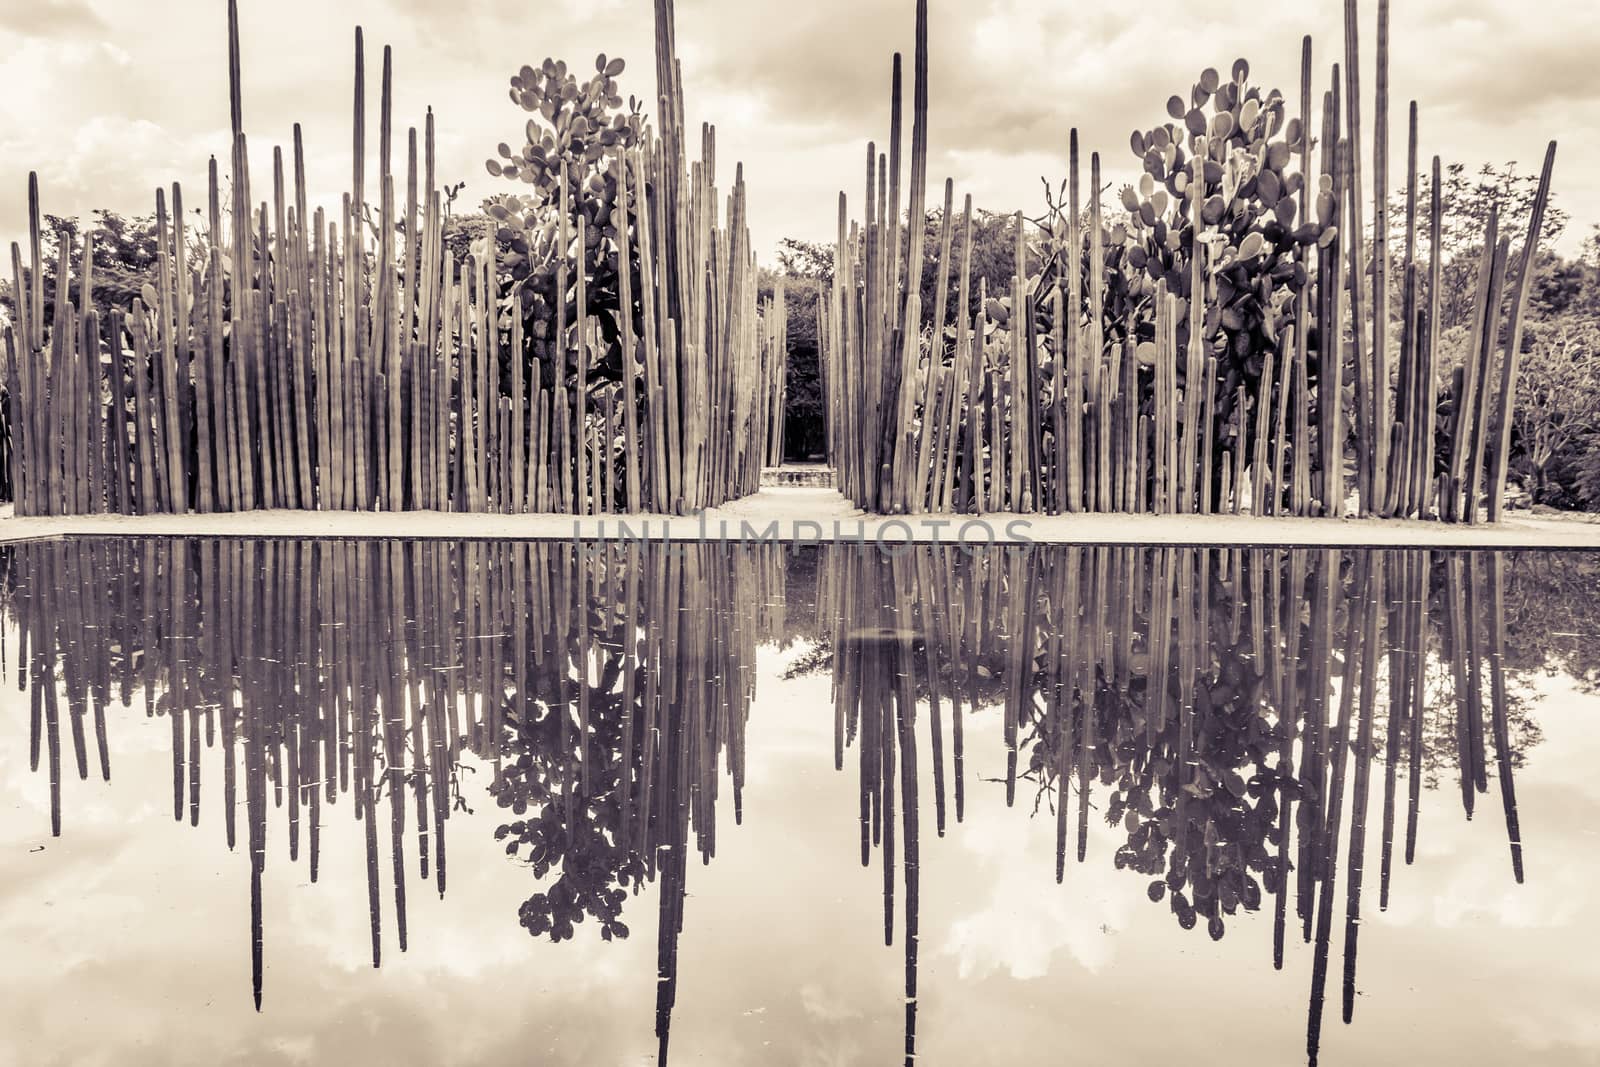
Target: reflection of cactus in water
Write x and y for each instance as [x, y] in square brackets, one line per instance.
[601, 689]
[616, 759]
[1230, 776]
[389, 671]
[642, 689]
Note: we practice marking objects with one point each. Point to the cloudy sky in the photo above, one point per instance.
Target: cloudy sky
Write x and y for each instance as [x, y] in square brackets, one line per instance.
[107, 99]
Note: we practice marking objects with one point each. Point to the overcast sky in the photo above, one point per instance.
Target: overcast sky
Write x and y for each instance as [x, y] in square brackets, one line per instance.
[109, 98]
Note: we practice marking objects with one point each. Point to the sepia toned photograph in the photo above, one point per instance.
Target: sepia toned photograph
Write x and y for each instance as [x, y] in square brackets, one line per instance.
[644, 532]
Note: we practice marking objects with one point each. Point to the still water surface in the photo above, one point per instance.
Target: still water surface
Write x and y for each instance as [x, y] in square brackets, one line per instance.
[299, 801]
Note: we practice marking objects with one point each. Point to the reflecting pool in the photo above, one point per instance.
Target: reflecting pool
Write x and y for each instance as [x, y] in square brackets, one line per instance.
[462, 802]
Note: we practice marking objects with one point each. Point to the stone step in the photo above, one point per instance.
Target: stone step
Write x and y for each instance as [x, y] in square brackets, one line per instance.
[804, 476]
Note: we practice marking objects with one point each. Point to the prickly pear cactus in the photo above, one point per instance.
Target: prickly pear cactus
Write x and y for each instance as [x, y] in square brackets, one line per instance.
[585, 127]
[1229, 147]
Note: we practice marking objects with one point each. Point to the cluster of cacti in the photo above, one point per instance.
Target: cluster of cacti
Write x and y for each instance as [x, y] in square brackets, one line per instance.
[870, 356]
[298, 363]
[1193, 354]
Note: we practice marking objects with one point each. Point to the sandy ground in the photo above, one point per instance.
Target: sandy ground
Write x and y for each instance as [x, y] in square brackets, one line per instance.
[803, 515]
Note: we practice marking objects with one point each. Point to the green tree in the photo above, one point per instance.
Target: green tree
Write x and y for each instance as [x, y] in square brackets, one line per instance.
[1586, 473]
[124, 259]
[1468, 201]
[994, 259]
[461, 233]
[804, 430]
[806, 259]
[1557, 411]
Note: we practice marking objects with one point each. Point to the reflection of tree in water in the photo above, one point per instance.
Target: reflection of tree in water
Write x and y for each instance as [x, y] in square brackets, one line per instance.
[606, 694]
[566, 824]
[1553, 615]
[1245, 675]
[641, 688]
[1287, 679]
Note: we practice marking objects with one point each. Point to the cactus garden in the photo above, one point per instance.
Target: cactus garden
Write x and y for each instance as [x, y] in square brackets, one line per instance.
[434, 521]
[1249, 327]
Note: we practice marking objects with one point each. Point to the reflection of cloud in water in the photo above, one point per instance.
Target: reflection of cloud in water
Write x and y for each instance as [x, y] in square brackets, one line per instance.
[1025, 943]
[1010, 925]
[825, 1005]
